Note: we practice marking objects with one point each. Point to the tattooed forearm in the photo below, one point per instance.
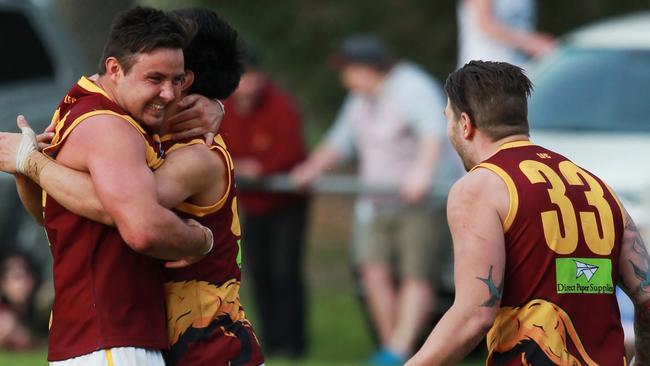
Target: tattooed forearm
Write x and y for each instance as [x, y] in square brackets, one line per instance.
[495, 291]
[642, 333]
[638, 287]
[640, 260]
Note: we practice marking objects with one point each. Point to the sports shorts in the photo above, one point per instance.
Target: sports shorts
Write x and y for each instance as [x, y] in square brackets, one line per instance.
[223, 342]
[405, 239]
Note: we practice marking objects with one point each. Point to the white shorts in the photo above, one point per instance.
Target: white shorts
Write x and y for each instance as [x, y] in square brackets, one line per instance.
[120, 356]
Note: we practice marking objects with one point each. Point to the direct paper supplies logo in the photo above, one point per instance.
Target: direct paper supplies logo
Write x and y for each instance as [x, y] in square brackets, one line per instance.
[584, 276]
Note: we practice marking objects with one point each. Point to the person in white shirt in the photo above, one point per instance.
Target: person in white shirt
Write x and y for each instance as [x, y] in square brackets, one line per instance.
[499, 30]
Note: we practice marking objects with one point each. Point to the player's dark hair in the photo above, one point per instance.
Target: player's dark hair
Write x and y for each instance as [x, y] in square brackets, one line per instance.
[142, 30]
[493, 94]
[215, 54]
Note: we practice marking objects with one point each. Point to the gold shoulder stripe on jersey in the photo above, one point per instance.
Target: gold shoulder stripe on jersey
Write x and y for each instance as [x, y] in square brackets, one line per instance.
[512, 193]
[59, 125]
[85, 83]
[222, 144]
[153, 160]
[181, 145]
[513, 144]
[201, 211]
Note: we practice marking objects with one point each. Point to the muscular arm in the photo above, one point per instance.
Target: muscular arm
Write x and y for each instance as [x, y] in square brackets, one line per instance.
[113, 154]
[635, 271]
[194, 174]
[479, 261]
[189, 172]
[73, 189]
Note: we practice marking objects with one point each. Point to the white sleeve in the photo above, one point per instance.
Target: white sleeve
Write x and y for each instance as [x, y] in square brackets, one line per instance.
[423, 103]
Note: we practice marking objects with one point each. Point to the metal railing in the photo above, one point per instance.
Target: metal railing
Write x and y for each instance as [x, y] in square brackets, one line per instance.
[339, 184]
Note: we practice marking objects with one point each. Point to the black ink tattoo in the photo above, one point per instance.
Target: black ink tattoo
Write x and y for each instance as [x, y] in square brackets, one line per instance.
[495, 291]
[639, 248]
[640, 261]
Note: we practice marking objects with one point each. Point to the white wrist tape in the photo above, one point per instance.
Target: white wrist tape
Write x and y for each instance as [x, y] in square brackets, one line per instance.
[27, 145]
[221, 107]
[209, 238]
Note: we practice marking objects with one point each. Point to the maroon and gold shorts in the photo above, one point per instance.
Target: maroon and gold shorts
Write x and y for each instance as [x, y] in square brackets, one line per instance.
[223, 342]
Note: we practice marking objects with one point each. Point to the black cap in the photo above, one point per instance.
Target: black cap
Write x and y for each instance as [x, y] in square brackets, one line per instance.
[363, 48]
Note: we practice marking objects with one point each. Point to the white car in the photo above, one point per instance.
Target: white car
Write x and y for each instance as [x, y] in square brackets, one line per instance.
[40, 63]
[591, 102]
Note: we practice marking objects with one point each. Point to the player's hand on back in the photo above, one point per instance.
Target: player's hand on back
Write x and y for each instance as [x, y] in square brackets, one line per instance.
[44, 140]
[197, 116]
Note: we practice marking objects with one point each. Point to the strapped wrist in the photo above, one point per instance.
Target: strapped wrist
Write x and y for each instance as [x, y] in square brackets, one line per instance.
[221, 107]
[27, 145]
[34, 165]
[209, 238]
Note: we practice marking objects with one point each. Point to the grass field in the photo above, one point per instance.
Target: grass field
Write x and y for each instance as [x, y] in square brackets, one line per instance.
[338, 333]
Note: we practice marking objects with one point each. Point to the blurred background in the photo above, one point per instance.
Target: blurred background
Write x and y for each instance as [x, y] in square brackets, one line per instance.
[48, 44]
[298, 36]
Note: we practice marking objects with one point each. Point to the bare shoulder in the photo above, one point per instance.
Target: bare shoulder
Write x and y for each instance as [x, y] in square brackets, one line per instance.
[477, 190]
[479, 184]
[106, 129]
[197, 159]
[103, 135]
[193, 173]
[200, 153]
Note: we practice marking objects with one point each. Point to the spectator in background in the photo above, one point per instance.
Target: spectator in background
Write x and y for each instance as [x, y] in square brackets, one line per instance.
[263, 131]
[393, 118]
[22, 325]
[499, 30]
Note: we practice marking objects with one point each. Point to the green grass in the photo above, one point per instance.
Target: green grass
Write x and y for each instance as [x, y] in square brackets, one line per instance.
[32, 358]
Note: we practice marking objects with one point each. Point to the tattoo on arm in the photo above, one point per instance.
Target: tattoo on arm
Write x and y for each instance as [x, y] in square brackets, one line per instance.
[640, 261]
[642, 333]
[495, 291]
[642, 268]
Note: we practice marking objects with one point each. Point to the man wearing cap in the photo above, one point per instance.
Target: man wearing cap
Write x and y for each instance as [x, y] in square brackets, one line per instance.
[393, 119]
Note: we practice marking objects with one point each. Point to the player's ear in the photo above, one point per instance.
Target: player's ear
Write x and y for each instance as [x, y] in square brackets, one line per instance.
[188, 81]
[467, 126]
[113, 66]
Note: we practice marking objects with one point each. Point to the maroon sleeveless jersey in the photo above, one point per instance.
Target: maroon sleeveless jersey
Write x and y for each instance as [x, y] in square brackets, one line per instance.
[205, 320]
[106, 294]
[563, 237]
